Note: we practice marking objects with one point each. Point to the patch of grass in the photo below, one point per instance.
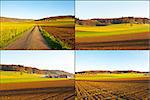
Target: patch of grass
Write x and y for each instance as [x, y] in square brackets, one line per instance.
[56, 23]
[19, 80]
[114, 29]
[15, 77]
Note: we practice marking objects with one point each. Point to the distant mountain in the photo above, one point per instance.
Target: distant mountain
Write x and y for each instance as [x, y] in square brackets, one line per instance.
[107, 71]
[27, 69]
[7, 19]
[56, 17]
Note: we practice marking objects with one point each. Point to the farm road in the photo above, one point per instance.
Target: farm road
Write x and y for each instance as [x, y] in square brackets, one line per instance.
[32, 39]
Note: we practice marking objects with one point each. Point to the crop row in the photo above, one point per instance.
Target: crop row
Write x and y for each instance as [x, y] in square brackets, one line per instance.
[62, 34]
[87, 90]
[40, 94]
[9, 31]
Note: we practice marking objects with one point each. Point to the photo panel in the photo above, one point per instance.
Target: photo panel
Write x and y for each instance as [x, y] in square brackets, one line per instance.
[112, 25]
[113, 75]
[37, 75]
[74, 50]
[37, 25]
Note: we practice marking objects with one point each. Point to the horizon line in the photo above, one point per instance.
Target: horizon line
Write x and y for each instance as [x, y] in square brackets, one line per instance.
[33, 67]
[112, 70]
[110, 17]
[34, 18]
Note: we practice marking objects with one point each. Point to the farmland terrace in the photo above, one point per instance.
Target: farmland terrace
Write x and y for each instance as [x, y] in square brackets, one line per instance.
[114, 90]
[20, 82]
[49, 90]
[122, 85]
[126, 33]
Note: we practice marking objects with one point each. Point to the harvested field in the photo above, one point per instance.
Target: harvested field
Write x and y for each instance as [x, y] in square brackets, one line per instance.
[65, 34]
[47, 90]
[119, 42]
[113, 90]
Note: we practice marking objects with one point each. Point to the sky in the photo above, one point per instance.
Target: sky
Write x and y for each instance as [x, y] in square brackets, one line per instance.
[137, 60]
[36, 9]
[52, 60]
[111, 9]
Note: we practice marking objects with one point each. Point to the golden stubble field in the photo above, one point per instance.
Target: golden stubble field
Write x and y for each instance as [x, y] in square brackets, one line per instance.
[113, 37]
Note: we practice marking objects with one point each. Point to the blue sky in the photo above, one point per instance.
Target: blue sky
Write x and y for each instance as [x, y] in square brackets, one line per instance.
[111, 9]
[85, 60]
[112, 60]
[53, 60]
[36, 9]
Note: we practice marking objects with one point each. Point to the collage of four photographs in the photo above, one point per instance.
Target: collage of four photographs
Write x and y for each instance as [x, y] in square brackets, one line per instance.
[75, 50]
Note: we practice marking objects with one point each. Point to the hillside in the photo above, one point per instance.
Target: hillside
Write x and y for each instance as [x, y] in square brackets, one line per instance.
[32, 70]
[7, 19]
[108, 21]
[56, 18]
[107, 71]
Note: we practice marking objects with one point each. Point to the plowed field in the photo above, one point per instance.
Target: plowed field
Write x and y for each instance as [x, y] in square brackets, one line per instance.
[47, 90]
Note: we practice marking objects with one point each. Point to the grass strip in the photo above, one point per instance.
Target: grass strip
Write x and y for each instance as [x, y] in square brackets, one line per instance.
[53, 43]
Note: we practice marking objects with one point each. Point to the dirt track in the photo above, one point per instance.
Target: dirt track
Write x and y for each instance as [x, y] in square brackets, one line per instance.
[46, 90]
[32, 39]
[127, 41]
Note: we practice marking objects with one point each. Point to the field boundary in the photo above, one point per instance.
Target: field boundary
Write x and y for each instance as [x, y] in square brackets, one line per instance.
[120, 45]
[53, 43]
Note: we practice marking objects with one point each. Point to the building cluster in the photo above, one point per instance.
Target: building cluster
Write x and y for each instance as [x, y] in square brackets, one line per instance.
[57, 76]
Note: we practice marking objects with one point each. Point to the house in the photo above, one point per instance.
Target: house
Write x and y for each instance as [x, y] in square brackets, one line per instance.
[55, 76]
[63, 76]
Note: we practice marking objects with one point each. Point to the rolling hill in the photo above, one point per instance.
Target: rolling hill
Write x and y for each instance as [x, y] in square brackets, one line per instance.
[7, 19]
[27, 69]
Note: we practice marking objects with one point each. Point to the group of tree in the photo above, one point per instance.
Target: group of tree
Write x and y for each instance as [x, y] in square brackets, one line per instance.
[108, 21]
[108, 71]
[32, 70]
[21, 69]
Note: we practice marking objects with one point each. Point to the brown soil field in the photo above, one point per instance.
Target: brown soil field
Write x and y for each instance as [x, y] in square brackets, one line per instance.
[118, 42]
[120, 79]
[113, 90]
[65, 34]
[32, 39]
[44, 90]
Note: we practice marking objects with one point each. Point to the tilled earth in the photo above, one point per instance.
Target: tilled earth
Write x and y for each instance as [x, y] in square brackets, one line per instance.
[137, 41]
[50, 90]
